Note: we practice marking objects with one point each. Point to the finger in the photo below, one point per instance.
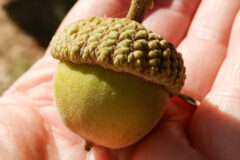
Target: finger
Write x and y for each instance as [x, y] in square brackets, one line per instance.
[226, 89]
[215, 127]
[205, 46]
[171, 19]
[86, 8]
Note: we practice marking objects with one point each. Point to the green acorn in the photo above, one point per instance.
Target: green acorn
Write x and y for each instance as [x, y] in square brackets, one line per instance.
[114, 79]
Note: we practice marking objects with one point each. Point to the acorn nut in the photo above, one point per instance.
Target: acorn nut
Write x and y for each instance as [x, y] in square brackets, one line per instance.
[114, 79]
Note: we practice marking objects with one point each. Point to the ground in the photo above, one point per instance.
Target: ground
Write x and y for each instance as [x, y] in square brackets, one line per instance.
[25, 33]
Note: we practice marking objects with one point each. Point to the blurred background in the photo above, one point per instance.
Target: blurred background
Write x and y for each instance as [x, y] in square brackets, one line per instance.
[26, 28]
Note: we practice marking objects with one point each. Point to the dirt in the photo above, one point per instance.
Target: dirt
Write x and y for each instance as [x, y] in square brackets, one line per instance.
[18, 51]
[26, 28]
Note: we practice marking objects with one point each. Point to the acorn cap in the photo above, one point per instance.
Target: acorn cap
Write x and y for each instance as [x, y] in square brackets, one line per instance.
[121, 45]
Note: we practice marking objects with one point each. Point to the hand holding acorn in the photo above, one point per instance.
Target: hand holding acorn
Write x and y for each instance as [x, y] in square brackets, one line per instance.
[114, 79]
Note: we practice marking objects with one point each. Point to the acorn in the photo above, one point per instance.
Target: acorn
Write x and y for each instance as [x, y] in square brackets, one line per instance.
[114, 79]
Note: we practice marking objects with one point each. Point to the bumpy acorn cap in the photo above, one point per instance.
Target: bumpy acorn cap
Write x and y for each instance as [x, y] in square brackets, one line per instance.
[121, 45]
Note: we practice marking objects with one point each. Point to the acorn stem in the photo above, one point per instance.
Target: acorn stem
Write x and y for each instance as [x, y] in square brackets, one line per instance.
[138, 9]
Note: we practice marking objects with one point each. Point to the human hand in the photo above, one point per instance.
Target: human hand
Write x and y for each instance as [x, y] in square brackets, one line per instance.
[30, 127]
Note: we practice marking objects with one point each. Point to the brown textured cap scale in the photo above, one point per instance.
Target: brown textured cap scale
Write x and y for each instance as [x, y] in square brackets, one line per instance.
[121, 45]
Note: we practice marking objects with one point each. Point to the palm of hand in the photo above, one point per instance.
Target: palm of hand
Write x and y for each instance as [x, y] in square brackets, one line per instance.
[31, 129]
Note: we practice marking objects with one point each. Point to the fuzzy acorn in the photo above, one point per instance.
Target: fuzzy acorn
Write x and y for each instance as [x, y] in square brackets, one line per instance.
[114, 78]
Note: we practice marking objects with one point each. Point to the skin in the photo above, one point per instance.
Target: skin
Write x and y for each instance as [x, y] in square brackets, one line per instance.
[208, 34]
